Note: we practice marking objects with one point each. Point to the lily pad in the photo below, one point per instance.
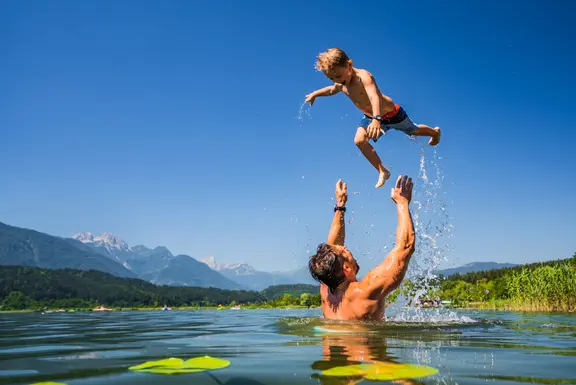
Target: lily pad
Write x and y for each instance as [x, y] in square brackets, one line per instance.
[381, 371]
[48, 383]
[179, 366]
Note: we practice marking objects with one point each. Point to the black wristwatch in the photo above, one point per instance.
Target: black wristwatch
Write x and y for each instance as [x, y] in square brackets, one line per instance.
[378, 118]
[340, 208]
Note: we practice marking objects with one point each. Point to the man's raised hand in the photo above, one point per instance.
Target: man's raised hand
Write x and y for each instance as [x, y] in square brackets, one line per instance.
[402, 192]
[341, 193]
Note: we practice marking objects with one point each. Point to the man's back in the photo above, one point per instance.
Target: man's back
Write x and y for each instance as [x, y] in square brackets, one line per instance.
[351, 305]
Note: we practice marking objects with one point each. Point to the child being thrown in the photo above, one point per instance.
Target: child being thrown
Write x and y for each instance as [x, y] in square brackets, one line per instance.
[380, 111]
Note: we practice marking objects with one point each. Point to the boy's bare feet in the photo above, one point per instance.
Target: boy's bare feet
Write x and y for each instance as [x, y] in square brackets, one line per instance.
[435, 139]
[382, 178]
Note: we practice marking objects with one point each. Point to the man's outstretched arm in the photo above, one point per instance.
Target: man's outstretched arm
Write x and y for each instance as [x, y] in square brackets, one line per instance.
[386, 277]
[337, 232]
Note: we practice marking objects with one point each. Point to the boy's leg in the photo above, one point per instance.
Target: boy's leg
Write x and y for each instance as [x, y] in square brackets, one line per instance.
[408, 127]
[433, 133]
[362, 141]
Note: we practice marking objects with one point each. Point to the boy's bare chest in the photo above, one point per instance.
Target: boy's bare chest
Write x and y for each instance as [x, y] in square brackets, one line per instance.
[356, 93]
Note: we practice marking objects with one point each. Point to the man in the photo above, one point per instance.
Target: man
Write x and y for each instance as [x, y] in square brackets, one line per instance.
[343, 296]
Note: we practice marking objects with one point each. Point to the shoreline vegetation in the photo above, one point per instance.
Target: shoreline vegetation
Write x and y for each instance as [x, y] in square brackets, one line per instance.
[546, 286]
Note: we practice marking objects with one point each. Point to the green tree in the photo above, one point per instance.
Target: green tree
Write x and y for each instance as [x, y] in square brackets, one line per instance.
[306, 299]
[16, 300]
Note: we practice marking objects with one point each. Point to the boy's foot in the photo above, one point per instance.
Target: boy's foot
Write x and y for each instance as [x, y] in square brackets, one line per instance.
[435, 139]
[382, 178]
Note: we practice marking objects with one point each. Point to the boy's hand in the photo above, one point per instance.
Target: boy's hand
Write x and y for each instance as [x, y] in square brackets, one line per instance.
[310, 98]
[374, 128]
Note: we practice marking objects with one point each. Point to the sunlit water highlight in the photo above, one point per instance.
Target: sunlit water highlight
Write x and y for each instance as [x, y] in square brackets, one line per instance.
[282, 347]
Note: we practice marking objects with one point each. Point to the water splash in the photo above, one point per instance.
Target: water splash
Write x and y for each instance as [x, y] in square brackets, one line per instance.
[434, 229]
[303, 111]
[431, 316]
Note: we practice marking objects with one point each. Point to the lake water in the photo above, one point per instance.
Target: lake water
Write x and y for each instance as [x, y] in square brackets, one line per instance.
[281, 347]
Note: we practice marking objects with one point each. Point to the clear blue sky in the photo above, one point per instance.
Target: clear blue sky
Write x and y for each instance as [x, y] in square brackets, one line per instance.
[174, 123]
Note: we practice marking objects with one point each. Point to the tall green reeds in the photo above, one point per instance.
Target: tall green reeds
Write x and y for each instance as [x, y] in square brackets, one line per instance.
[547, 288]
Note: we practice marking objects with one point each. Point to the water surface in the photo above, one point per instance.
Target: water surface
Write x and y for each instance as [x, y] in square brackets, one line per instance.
[281, 347]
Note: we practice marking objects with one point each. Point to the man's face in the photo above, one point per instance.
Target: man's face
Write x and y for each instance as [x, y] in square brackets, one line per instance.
[349, 259]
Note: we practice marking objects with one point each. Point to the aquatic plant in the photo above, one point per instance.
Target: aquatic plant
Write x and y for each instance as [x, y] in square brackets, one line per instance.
[384, 371]
[179, 366]
[548, 288]
[48, 383]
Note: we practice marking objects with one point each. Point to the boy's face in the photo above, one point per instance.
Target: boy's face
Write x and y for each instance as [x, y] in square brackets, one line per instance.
[341, 74]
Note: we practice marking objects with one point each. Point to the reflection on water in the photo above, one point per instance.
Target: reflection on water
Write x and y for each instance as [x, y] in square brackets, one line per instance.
[285, 347]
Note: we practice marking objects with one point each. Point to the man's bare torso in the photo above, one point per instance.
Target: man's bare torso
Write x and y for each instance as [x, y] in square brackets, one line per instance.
[350, 305]
[357, 93]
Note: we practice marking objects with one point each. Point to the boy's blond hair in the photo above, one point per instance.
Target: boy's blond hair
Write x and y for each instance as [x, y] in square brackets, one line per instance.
[333, 57]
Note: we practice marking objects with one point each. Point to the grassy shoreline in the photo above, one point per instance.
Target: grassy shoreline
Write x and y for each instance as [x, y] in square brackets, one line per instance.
[499, 305]
[115, 309]
[514, 306]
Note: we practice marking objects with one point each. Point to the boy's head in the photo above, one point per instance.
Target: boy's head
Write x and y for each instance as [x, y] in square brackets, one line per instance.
[335, 64]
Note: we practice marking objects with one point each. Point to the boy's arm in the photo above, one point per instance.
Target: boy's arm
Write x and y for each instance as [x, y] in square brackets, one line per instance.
[326, 91]
[386, 277]
[372, 91]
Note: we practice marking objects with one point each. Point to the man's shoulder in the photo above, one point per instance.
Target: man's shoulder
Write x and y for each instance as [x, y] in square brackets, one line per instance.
[353, 291]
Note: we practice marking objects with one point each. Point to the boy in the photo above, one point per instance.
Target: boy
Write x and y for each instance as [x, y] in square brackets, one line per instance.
[380, 112]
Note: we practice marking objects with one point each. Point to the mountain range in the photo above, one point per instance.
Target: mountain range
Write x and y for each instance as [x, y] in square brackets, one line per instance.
[473, 267]
[110, 254]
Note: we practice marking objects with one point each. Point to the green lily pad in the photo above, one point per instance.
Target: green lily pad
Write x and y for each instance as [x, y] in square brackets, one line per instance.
[48, 383]
[179, 366]
[381, 371]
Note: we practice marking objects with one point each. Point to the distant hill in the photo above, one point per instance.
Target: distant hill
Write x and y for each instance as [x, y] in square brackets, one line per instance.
[298, 275]
[492, 274]
[247, 276]
[274, 292]
[473, 267]
[24, 247]
[157, 265]
[183, 270]
[80, 288]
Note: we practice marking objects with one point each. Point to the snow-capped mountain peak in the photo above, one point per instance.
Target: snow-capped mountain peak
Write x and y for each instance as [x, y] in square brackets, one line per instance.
[109, 241]
[85, 237]
[241, 268]
[210, 261]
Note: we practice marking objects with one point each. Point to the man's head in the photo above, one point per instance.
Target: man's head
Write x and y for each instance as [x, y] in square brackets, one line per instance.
[333, 265]
[336, 65]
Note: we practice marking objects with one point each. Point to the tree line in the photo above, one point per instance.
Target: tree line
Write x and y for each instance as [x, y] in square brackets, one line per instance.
[24, 287]
[547, 286]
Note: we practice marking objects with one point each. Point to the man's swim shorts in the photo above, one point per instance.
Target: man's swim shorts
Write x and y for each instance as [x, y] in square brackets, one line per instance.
[397, 119]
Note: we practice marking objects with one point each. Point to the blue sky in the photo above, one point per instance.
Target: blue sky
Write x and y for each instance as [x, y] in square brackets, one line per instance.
[174, 123]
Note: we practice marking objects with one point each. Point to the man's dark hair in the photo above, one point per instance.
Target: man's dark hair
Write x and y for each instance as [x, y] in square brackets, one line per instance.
[326, 266]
